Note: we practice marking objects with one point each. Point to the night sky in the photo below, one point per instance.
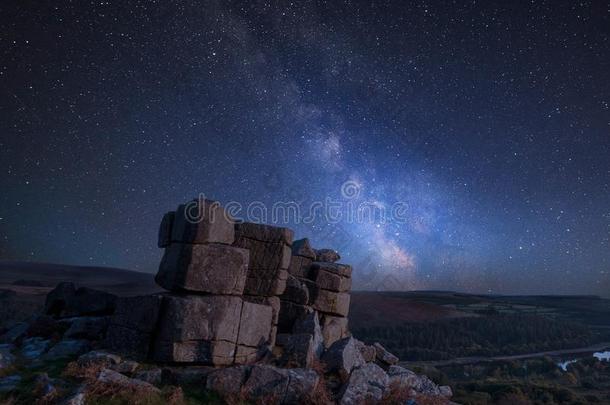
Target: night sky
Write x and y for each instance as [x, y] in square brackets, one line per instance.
[489, 121]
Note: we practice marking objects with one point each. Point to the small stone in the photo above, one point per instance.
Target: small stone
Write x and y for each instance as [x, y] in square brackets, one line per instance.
[343, 356]
[125, 367]
[327, 255]
[9, 383]
[383, 355]
[98, 357]
[7, 358]
[303, 248]
[76, 399]
[165, 229]
[33, 348]
[264, 233]
[67, 348]
[45, 387]
[333, 329]
[210, 268]
[202, 221]
[108, 376]
[445, 391]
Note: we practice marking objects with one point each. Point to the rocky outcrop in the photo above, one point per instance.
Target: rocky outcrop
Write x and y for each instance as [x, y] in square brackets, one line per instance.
[247, 312]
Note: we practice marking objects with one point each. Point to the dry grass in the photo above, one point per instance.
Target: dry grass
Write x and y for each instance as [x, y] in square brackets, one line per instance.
[396, 395]
[100, 392]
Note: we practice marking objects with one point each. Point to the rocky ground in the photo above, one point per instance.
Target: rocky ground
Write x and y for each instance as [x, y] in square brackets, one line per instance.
[63, 359]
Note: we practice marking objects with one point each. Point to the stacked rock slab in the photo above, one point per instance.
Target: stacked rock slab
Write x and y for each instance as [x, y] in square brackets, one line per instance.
[316, 283]
[270, 252]
[204, 318]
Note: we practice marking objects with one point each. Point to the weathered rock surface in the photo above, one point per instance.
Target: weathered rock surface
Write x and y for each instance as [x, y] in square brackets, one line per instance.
[264, 233]
[343, 356]
[113, 378]
[210, 268]
[366, 383]
[202, 222]
[299, 266]
[205, 317]
[9, 383]
[255, 324]
[132, 325]
[15, 333]
[310, 324]
[327, 255]
[407, 379]
[88, 327]
[66, 301]
[330, 302]
[7, 358]
[99, 358]
[33, 348]
[228, 381]
[296, 291]
[289, 313]
[298, 350]
[283, 386]
[165, 230]
[368, 352]
[68, 348]
[383, 355]
[303, 248]
[333, 329]
[344, 270]
[330, 280]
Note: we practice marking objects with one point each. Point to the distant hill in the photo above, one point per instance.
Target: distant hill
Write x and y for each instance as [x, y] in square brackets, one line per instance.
[22, 276]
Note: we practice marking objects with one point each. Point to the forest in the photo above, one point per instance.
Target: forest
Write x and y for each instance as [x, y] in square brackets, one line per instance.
[497, 334]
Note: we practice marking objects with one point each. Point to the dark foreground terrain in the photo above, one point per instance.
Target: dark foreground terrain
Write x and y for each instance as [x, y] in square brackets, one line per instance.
[489, 349]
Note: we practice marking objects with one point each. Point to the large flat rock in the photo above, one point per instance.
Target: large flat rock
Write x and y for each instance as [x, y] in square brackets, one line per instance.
[212, 268]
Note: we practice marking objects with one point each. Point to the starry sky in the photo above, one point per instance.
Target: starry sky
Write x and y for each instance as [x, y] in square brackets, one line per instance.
[489, 121]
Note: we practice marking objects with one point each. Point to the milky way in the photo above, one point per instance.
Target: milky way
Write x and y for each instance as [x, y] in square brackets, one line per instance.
[488, 122]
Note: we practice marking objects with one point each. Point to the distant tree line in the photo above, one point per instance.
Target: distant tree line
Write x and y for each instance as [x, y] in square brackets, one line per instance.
[478, 336]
